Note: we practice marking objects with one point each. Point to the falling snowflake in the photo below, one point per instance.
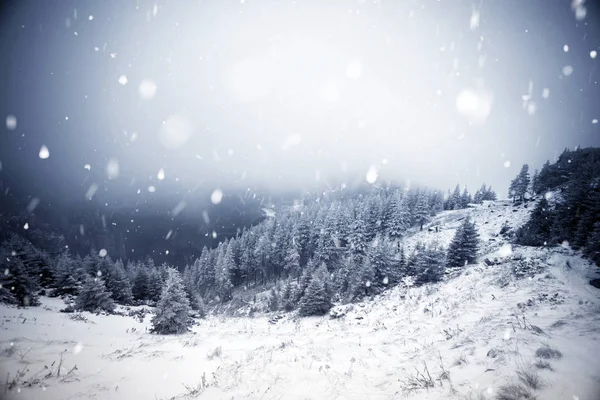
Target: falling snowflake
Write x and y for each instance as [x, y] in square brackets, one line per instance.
[169, 234]
[147, 89]
[567, 70]
[474, 104]
[91, 18]
[214, 234]
[26, 226]
[178, 208]
[44, 152]
[151, 189]
[102, 253]
[216, 196]
[566, 48]
[33, 203]
[372, 174]
[11, 122]
[176, 131]
[123, 80]
[161, 174]
[595, 121]
[112, 168]
[545, 93]
[474, 21]
[506, 164]
[593, 53]
[91, 191]
[354, 69]
[77, 349]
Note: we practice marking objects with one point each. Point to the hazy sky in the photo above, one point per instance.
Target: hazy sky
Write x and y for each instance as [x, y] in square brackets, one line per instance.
[289, 94]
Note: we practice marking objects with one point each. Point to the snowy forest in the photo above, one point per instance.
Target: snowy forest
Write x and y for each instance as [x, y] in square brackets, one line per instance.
[336, 247]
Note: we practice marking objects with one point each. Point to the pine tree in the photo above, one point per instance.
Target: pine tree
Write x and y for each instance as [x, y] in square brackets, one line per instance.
[456, 199]
[421, 213]
[172, 314]
[23, 286]
[429, 265]
[94, 297]
[316, 300]
[519, 185]
[141, 283]
[155, 284]
[120, 287]
[399, 219]
[68, 275]
[465, 198]
[223, 285]
[464, 246]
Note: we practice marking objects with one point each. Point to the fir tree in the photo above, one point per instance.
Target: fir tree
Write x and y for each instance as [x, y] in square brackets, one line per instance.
[21, 284]
[464, 246]
[141, 283]
[421, 213]
[316, 300]
[68, 275]
[172, 314]
[119, 284]
[94, 297]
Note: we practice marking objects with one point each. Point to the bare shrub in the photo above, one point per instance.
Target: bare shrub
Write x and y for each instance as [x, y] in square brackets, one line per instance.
[530, 377]
[215, 353]
[421, 380]
[548, 353]
[543, 364]
[514, 391]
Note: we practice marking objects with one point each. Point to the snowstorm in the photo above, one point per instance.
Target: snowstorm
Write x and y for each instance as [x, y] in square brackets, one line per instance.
[246, 199]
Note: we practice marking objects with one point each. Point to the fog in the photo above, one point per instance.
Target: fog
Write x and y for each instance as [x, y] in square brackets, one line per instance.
[294, 95]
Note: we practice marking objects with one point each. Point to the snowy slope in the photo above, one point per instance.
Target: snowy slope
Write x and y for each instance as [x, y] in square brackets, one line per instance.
[469, 332]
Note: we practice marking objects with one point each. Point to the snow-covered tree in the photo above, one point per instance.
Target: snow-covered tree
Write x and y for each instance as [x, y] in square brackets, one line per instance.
[464, 246]
[316, 299]
[68, 275]
[94, 296]
[172, 314]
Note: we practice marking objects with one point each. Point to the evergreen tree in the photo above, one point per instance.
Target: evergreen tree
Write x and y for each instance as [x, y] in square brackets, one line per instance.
[399, 218]
[464, 246]
[536, 232]
[465, 198]
[316, 300]
[223, 285]
[421, 212]
[456, 199]
[94, 297]
[18, 284]
[429, 264]
[172, 314]
[68, 275]
[155, 284]
[120, 287]
[519, 185]
[141, 283]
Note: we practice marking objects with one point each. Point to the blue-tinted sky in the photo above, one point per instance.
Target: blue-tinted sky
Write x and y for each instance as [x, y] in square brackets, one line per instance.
[290, 94]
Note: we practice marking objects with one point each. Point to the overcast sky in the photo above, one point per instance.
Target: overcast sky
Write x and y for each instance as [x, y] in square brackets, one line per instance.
[290, 94]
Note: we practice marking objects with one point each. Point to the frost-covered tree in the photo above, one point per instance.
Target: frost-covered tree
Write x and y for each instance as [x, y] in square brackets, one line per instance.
[94, 296]
[519, 185]
[68, 275]
[316, 299]
[398, 220]
[19, 286]
[429, 264]
[172, 314]
[119, 285]
[141, 283]
[464, 246]
[223, 286]
[421, 211]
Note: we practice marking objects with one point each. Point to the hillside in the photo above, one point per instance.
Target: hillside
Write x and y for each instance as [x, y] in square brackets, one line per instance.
[466, 337]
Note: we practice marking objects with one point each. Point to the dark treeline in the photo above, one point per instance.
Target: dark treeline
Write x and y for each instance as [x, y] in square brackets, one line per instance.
[569, 208]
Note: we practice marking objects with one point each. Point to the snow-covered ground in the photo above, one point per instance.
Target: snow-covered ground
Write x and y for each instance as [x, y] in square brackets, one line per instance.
[471, 335]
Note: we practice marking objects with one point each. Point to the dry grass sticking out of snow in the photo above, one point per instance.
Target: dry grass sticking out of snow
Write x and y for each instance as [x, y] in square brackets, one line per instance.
[489, 333]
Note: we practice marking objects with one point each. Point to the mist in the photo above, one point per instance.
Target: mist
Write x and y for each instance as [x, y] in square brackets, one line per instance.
[175, 98]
